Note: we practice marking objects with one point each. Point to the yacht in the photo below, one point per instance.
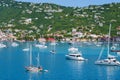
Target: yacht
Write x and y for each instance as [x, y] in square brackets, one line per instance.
[14, 44]
[74, 54]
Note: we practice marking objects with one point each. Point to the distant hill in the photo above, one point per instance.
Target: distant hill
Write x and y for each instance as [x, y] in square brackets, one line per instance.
[43, 18]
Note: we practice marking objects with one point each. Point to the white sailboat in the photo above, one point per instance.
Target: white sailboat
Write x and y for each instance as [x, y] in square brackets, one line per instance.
[34, 68]
[114, 46]
[53, 51]
[41, 44]
[110, 60]
[27, 48]
[53, 46]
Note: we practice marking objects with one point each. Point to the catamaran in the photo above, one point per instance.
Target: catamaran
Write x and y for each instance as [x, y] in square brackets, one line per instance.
[110, 60]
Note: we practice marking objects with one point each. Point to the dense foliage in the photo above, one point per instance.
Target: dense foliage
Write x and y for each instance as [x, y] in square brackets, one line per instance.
[35, 19]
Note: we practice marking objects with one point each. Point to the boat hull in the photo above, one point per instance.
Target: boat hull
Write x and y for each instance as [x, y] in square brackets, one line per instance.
[75, 58]
[33, 69]
[101, 62]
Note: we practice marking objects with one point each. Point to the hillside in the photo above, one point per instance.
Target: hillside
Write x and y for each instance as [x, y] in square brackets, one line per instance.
[32, 20]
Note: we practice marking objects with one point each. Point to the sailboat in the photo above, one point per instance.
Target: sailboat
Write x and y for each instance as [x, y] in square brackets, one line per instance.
[110, 60]
[26, 49]
[74, 54]
[115, 48]
[53, 46]
[41, 44]
[53, 51]
[34, 68]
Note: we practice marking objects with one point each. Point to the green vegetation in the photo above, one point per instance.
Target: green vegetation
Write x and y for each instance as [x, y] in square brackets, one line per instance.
[26, 19]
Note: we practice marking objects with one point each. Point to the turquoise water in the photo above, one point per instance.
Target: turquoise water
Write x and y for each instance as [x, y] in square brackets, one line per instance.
[13, 61]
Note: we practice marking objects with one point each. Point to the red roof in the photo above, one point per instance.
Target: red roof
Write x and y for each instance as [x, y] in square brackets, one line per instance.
[51, 39]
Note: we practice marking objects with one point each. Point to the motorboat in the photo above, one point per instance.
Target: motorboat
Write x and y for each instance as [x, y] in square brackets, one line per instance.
[14, 44]
[2, 45]
[75, 55]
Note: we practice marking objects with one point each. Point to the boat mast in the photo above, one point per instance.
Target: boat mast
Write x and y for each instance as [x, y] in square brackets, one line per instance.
[73, 43]
[109, 41]
[54, 46]
[73, 37]
[38, 60]
[30, 55]
[54, 42]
